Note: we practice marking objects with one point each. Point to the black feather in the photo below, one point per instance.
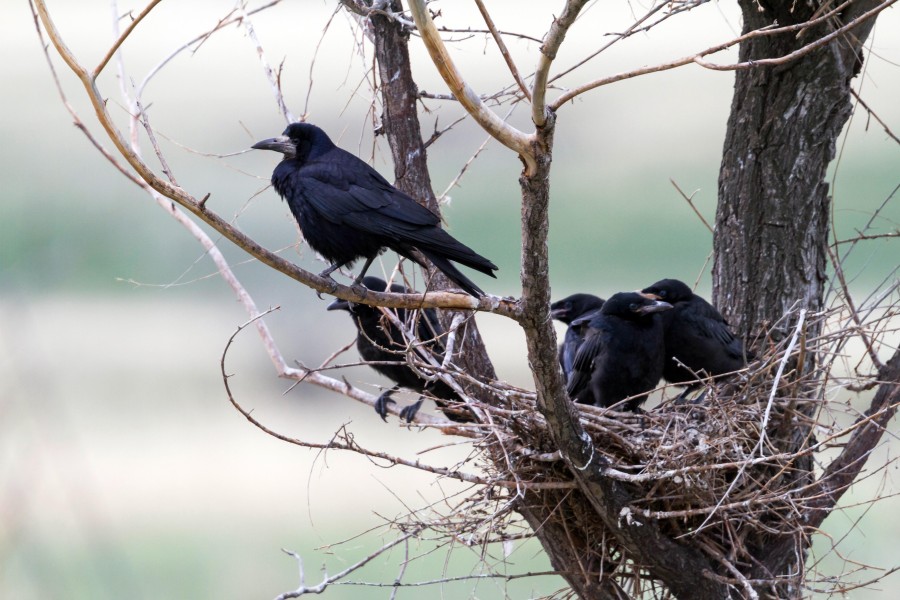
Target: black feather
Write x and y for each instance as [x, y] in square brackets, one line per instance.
[696, 335]
[381, 343]
[347, 210]
[622, 352]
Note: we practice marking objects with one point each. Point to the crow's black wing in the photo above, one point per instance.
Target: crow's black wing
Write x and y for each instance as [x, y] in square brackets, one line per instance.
[709, 323]
[361, 198]
[583, 365]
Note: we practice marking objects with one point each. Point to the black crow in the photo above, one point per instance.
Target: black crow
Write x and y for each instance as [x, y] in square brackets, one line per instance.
[381, 343]
[622, 352]
[347, 211]
[567, 310]
[696, 335]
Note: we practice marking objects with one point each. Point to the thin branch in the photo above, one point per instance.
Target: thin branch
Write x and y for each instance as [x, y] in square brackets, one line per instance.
[872, 113]
[803, 51]
[698, 57]
[223, 22]
[145, 121]
[330, 579]
[690, 201]
[549, 48]
[274, 79]
[505, 133]
[503, 49]
[122, 38]
[619, 37]
[515, 34]
[842, 471]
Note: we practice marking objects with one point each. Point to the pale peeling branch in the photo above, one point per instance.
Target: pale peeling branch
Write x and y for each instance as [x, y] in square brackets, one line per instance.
[549, 48]
[503, 132]
[121, 39]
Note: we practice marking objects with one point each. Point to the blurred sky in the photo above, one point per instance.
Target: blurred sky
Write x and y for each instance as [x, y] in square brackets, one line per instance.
[123, 469]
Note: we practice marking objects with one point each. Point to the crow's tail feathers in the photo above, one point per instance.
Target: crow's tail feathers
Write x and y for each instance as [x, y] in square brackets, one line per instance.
[454, 274]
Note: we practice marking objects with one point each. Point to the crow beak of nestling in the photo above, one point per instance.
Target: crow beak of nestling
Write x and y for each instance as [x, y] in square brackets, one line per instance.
[559, 312]
[282, 144]
[647, 295]
[338, 304]
[657, 306]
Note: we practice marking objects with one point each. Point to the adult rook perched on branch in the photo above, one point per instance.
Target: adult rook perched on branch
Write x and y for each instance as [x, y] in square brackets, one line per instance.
[622, 352]
[381, 343]
[698, 340]
[566, 311]
[347, 210]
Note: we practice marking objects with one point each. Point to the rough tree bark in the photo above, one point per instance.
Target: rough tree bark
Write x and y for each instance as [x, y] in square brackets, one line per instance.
[400, 123]
[772, 220]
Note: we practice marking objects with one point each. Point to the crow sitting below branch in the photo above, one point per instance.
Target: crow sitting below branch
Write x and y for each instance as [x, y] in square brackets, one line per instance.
[383, 344]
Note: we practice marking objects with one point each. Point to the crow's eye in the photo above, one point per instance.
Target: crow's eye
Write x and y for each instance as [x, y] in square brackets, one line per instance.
[634, 306]
[662, 293]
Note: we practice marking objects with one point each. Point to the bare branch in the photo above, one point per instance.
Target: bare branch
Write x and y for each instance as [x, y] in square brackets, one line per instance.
[274, 79]
[690, 201]
[842, 471]
[698, 57]
[503, 49]
[549, 48]
[505, 133]
[327, 580]
[121, 39]
[872, 113]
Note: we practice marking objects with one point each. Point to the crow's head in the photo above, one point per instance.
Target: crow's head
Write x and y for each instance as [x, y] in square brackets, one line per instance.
[572, 307]
[632, 305]
[670, 290]
[301, 141]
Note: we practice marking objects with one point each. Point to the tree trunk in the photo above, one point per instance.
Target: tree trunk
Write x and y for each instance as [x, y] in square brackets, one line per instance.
[773, 212]
[772, 221]
[400, 123]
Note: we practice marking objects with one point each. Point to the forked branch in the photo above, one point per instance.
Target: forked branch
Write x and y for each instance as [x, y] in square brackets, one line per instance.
[503, 132]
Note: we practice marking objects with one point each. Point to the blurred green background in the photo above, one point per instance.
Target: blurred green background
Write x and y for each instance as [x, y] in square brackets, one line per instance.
[124, 471]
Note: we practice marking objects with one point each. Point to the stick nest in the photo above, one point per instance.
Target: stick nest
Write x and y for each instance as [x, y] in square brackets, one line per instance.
[723, 471]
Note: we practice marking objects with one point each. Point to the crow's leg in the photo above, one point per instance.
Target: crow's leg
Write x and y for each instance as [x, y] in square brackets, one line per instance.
[684, 396]
[327, 272]
[409, 412]
[385, 400]
[362, 273]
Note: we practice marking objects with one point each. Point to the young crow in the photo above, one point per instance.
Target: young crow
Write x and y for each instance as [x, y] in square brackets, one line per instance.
[347, 211]
[622, 352]
[381, 343]
[567, 310]
[696, 335]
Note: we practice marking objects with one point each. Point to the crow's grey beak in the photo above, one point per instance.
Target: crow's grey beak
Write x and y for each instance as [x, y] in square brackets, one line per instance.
[556, 313]
[338, 304]
[282, 144]
[657, 306]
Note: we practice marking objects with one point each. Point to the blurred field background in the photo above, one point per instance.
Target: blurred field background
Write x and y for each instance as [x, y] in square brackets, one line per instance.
[124, 471]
